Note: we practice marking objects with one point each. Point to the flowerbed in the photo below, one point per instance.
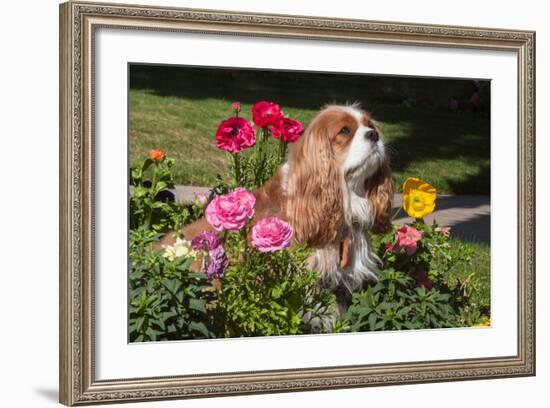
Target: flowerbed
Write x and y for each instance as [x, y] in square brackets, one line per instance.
[253, 279]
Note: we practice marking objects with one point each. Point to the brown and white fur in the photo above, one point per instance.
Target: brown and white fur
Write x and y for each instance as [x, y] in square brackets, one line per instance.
[335, 188]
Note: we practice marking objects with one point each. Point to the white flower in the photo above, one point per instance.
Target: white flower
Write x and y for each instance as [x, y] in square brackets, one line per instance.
[181, 249]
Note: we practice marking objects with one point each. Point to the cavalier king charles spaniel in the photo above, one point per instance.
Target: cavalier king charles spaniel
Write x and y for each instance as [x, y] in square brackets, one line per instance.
[335, 188]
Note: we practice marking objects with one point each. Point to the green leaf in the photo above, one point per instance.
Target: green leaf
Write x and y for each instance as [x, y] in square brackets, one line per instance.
[200, 327]
[372, 321]
[197, 304]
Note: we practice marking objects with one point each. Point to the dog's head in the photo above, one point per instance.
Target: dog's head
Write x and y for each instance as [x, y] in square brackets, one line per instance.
[341, 152]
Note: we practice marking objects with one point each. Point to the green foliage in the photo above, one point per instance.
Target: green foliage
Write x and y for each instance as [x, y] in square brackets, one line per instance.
[167, 300]
[274, 293]
[152, 205]
[395, 303]
[451, 301]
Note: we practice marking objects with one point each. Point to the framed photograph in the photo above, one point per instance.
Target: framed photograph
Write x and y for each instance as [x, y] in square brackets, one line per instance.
[256, 203]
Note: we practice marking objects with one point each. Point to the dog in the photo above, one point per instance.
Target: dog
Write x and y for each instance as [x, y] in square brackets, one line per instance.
[334, 190]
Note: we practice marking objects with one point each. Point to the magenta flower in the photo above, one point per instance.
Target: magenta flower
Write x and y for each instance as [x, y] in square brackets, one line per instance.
[231, 211]
[407, 238]
[217, 262]
[206, 240]
[266, 113]
[271, 234]
[287, 129]
[235, 134]
[236, 106]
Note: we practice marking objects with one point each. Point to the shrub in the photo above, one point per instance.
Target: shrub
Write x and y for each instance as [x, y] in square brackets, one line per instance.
[167, 300]
[396, 303]
[274, 293]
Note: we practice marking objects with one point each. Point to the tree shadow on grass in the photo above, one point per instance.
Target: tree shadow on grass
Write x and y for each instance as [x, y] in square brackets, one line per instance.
[453, 147]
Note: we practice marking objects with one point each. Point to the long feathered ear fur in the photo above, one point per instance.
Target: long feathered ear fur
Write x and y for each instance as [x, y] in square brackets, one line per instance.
[315, 207]
[379, 192]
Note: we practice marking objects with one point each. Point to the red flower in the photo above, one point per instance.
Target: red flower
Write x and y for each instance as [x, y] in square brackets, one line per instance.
[422, 280]
[156, 154]
[234, 135]
[266, 113]
[287, 129]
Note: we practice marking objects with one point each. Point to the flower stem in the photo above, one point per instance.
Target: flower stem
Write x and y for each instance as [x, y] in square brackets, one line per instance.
[282, 150]
[151, 198]
[261, 158]
[237, 169]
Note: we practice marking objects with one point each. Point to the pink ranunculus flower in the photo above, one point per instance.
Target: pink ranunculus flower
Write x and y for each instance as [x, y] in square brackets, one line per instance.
[271, 234]
[266, 113]
[407, 238]
[287, 129]
[235, 134]
[231, 211]
[201, 198]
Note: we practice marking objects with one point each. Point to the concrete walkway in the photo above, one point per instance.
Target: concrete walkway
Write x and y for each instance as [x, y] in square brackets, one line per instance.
[468, 216]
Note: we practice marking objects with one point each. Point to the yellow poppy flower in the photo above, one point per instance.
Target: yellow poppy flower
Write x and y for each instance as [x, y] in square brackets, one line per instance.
[418, 197]
[485, 322]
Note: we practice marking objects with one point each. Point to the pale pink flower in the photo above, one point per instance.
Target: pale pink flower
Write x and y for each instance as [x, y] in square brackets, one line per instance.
[231, 211]
[271, 234]
[201, 198]
[407, 238]
[445, 231]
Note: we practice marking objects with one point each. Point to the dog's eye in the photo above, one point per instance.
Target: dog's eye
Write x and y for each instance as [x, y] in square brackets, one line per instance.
[345, 131]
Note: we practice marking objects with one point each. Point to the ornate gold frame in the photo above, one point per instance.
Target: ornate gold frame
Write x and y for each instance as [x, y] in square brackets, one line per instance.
[78, 22]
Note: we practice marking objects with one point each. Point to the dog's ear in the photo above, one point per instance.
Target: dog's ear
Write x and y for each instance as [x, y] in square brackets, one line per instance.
[379, 190]
[314, 189]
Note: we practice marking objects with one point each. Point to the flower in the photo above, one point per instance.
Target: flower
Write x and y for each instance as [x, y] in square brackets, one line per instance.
[271, 234]
[180, 249]
[287, 129]
[236, 106]
[201, 198]
[407, 238]
[485, 322]
[231, 211]
[235, 134]
[206, 240]
[266, 113]
[446, 231]
[217, 262]
[418, 197]
[156, 155]
[422, 280]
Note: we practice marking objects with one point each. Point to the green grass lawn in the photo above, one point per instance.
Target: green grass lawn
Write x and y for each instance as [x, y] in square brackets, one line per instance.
[479, 271]
[178, 110]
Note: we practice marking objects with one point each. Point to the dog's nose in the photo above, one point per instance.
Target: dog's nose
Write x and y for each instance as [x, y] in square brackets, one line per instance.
[372, 135]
